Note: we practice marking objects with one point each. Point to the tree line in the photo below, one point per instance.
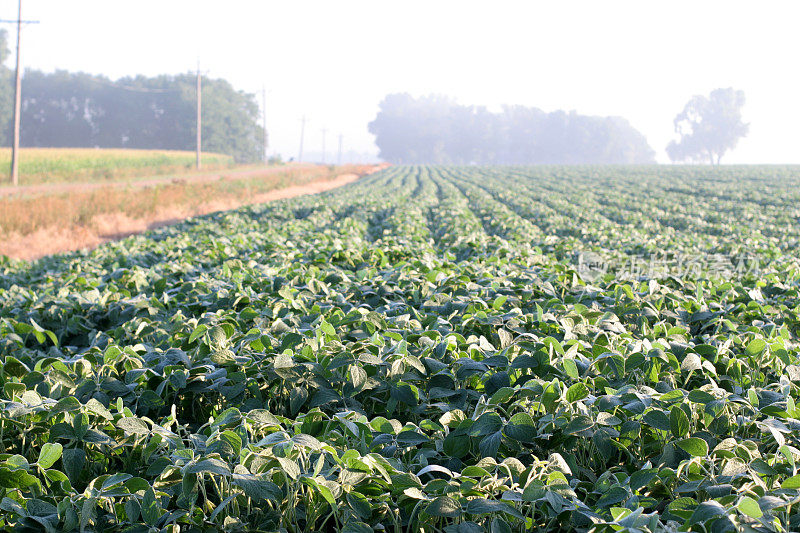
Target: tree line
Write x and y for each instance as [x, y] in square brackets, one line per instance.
[435, 129]
[65, 109]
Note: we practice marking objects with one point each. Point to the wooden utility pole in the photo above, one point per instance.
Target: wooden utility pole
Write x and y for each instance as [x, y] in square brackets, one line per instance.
[199, 114]
[339, 156]
[302, 133]
[264, 117]
[324, 131]
[17, 96]
[17, 105]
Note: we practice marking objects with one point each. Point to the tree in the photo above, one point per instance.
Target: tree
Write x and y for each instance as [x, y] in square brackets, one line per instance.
[82, 110]
[435, 129]
[709, 127]
[413, 130]
[6, 92]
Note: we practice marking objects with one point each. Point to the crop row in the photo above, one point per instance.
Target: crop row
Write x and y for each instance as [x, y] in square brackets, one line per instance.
[419, 350]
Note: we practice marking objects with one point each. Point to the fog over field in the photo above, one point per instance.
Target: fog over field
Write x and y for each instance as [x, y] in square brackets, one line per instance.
[334, 61]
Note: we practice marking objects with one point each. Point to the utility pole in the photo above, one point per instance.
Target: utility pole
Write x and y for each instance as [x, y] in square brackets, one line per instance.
[339, 157]
[264, 117]
[199, 113]
[17, 96]
[324, 131]
[302, 133]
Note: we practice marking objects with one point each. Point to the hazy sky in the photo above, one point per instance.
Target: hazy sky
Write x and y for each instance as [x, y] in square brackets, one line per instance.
[335, 60]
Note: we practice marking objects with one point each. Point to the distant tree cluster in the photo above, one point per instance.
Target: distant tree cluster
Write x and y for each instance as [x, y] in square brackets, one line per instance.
[6, 92]
[435, 129]
[64, 109]
[708, 127]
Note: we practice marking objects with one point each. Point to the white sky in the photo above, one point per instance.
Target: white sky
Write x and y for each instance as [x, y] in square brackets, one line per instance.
[335, 60]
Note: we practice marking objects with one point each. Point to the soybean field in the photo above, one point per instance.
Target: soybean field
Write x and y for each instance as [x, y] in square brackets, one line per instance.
[437, 349]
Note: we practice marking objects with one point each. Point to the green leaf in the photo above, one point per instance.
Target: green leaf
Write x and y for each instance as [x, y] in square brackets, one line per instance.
[228, 417]
[258, 488]
[485, 506]
[691, 362]
[748, 506]
[416, 493]
[612, 496]
[485, 424]
[297, 398]
[357, 527]
[289, 466]
[699, 396]
[791, 482]
[73, 460]
[134, 426]
[490, 444]
[641, 478]
[707, 511]
[132, 510]
[678, 422]
[578, 424]
[570, 368]
[115, 479]
[49, 454]
[694, 446]
[456, 445]
[521, 427]
[406, 393]
[209, 465]
[327, 329]
[406, 439]
[499, 526]
[577, 392]
[658, 419]
[324, 491]
[444, 506]
[151, 508]
[198, 331]
[67, 404]
[359, 503]
[16, 479]
[755, 347]
[10, 506]
[307, 441]
[358, 377]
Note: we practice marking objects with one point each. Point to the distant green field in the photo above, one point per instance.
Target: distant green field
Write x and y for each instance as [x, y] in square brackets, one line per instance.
[428, 349]
[51, 165]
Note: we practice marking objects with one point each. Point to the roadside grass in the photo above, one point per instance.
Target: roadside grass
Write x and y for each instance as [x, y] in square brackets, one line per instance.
[63, 165]
[26, 215]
